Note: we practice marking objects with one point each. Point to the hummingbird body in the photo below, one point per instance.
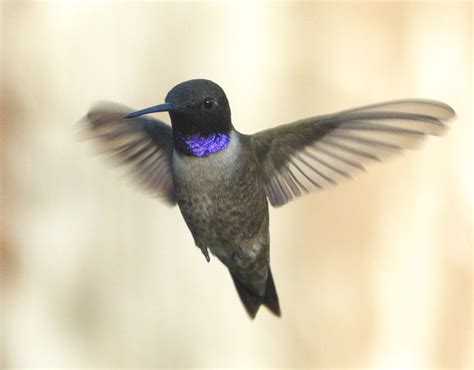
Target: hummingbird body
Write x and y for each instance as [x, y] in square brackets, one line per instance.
[222, 180]
[224, 205]
[216, 195]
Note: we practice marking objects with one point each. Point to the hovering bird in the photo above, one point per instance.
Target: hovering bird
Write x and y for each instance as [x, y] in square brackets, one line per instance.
[222, 179]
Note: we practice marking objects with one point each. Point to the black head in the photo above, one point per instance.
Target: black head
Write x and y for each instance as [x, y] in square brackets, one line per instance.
[195, 106]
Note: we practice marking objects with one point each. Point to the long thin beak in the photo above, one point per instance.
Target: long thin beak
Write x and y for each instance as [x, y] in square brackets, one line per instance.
[165, 107]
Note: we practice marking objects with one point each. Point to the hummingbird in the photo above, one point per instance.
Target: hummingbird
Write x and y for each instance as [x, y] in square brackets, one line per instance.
[223, 180]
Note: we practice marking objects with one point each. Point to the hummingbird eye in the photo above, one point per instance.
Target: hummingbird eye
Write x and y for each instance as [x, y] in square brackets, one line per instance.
[208, 103]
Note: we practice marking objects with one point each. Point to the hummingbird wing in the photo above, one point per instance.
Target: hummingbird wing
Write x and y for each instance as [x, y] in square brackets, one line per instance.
[316, 152]
[143, 143]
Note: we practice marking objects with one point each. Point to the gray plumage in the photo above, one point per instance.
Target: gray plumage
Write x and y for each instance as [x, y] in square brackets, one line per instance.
[223, 196]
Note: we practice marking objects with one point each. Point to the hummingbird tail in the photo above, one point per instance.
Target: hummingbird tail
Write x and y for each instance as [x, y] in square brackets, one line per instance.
[252, 301]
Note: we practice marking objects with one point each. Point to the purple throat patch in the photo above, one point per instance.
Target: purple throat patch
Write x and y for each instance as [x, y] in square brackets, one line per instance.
[199, 145]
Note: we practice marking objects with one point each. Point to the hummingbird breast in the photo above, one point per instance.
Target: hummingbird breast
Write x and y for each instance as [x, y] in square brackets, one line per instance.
[222, 199]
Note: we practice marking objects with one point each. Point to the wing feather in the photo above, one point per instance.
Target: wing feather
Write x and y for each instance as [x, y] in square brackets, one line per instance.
[316, 152]
[143, 144]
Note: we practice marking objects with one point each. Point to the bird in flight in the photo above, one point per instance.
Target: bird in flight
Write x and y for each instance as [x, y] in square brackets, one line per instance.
[222, 180]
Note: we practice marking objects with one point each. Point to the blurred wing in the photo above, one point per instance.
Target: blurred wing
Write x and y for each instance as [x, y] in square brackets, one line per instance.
[315, 152]
[143, 143]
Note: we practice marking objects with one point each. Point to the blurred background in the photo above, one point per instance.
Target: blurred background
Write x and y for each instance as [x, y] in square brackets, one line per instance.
[376, 272]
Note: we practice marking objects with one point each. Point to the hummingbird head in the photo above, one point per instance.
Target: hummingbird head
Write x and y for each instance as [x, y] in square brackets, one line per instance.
[195, 107]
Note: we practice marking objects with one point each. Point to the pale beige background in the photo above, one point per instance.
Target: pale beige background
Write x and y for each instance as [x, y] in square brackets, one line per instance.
[374, 273]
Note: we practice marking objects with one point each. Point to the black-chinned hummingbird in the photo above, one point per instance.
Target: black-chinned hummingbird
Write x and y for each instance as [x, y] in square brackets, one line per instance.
[222, 179]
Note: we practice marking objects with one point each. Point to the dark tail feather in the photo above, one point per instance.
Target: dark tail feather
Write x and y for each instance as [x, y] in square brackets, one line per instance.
[252, 302]
[271, 297]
